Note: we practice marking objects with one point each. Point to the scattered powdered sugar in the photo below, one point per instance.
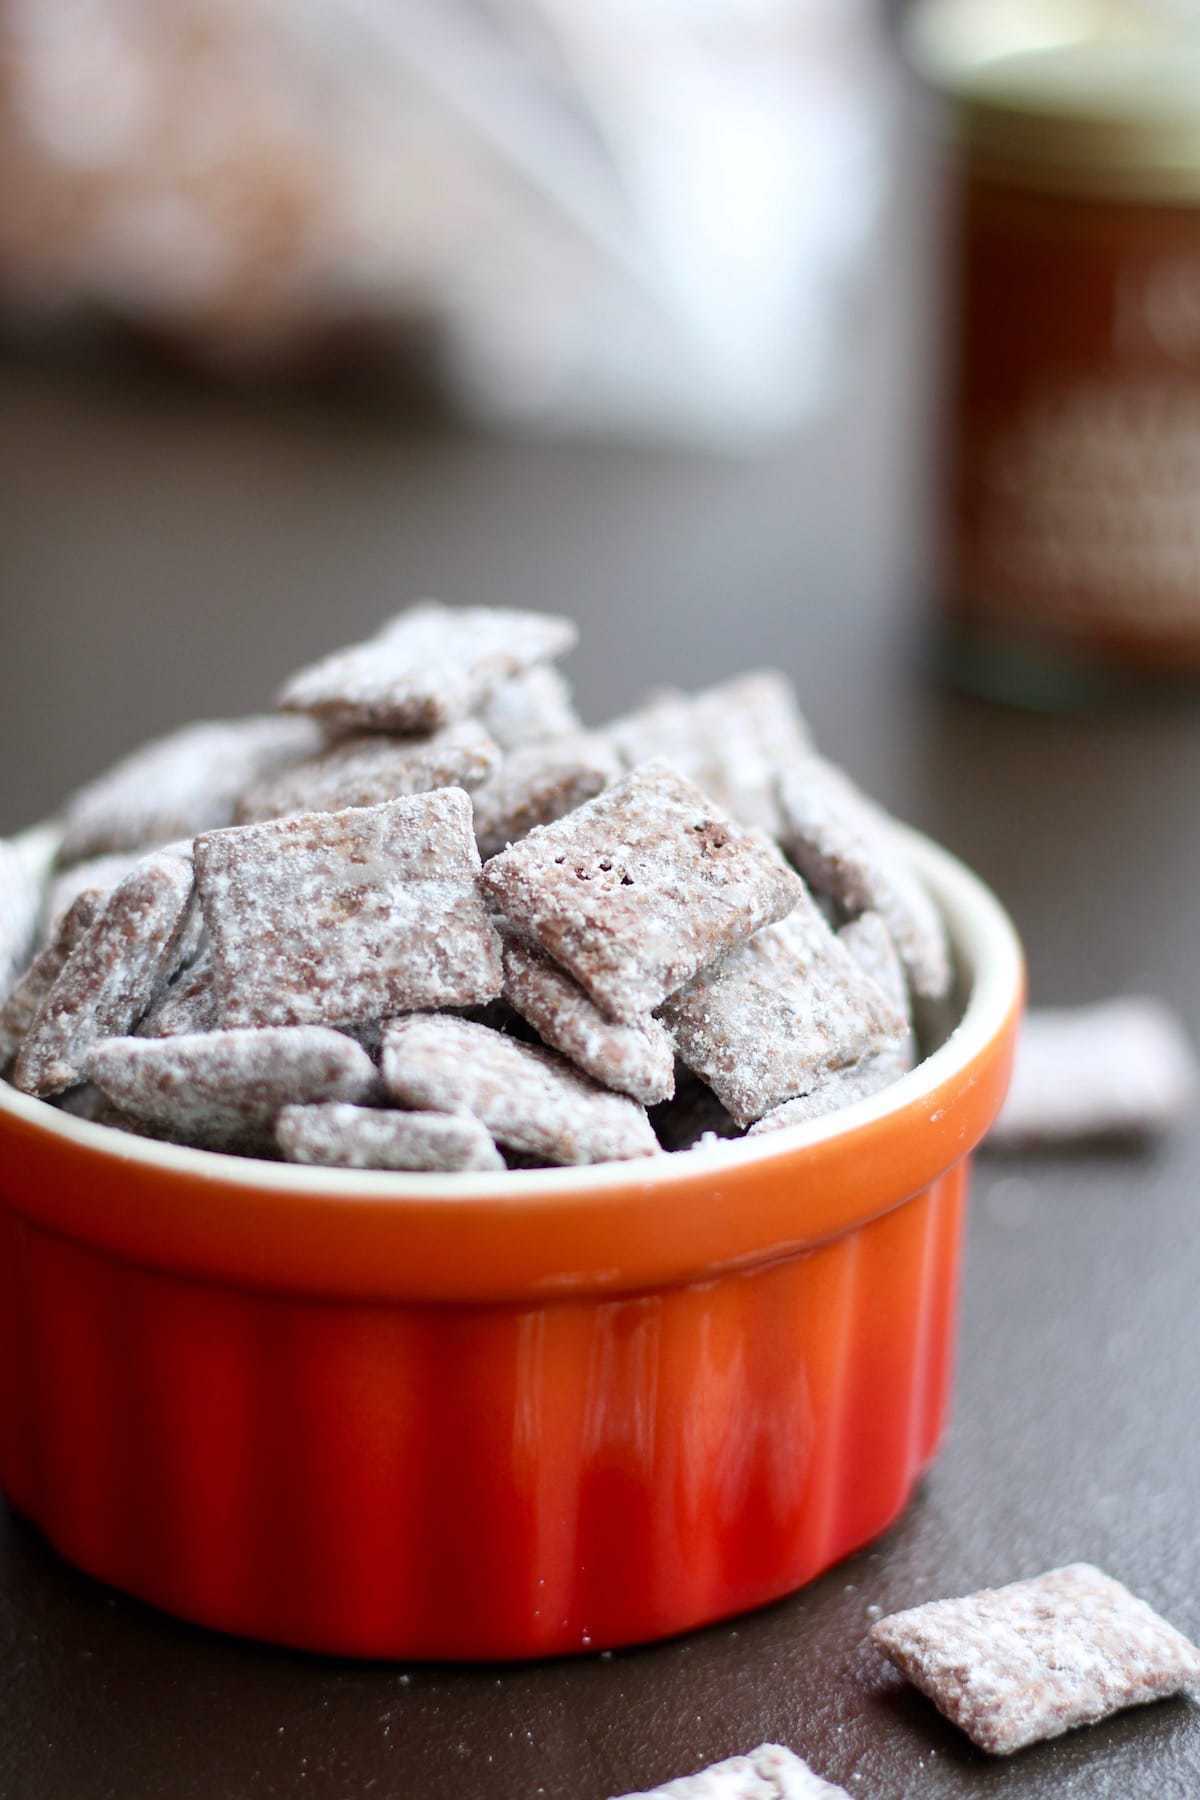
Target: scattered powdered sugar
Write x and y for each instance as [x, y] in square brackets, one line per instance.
[769, 1773]
[338, 1135]
[848, 848]
[538, 783]
[531, 1100]
[368, 769]
[529, 708]
[731, 740]
[429, 666]
[112, 975]
[1014, 1665]
[348, 917]
[638, 1060]
[1122, 1068]
[636, 891]
[223, 1089]
[181, 784]
[779, 1012]
[20, 1009]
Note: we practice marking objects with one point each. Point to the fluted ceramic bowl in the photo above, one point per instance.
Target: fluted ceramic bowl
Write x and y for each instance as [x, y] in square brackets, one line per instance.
[481, 1416]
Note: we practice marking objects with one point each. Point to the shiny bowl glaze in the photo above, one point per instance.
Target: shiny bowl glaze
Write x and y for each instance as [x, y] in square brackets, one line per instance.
[491, 1417]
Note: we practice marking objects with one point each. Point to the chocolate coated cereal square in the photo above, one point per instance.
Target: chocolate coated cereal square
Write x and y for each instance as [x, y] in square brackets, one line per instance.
[539, 783]
[769, 1773]
[638, 1060]
[1014, 1665]
[637, 890]
[369, 769]
[341, 1136]
[349, 917]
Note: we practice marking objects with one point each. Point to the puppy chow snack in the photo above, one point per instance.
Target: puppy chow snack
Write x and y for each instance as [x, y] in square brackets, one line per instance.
[1122, 1068]
[112, 975]
[637, 1059]
[224, 1089]
[187, 1004]
[370, 768]
[348, 917]
[530, 1100]
[1012, 1666]
[539, 783]
[96, 874]
[428, 667]
[21, 1008]
[873, 948]
[636, 891]
[785, 1008]
[837, 1089]
[338, 1135]
[846, 847]
[180, 785]
[528, 708]
[21, 881]
[769, 1773]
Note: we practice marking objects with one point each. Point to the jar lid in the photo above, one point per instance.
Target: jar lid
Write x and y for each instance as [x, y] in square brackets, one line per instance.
[1086, 96]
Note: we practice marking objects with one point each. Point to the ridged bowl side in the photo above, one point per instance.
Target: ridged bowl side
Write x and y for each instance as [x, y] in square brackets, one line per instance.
[475, 1481]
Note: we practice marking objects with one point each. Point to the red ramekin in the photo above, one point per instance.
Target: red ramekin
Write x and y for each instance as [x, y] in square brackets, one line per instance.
[482, 1417]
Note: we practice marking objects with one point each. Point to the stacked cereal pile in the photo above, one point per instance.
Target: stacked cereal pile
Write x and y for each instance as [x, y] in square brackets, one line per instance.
[422, 919]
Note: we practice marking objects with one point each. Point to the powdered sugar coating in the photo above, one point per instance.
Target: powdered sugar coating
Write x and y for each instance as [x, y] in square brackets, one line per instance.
[21, 1008]
[529, 708]
[769, 1773]
[778, 1013]
[537, 784]
[179, 785]
[1012, 1666]
[428, 666]
[637, 890]
[21, 880]
[344, 918]
[96, 874]
[368, 769]
[188, 1004]
[1123, 1068]
[731, 740]
[846, 847]
[873, 948]
[111, 976]
[530, 1099]
[338, 1135]
[223, 1089]
[839, 1088]
[638, 1060]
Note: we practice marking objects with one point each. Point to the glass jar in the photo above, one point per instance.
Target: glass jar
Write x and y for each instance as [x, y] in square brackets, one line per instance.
[1069, 532]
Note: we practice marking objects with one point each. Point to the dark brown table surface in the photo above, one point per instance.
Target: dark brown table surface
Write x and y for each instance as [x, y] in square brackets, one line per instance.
[164, 556]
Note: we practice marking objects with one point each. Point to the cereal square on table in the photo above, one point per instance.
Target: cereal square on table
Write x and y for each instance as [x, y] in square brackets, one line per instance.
[769, 1773]
[429, 666]
[1014, 1665]
[111, 976]
[637, 890]
[370, 768]
[779, 1012]
[849, 849]
[348, 917]
[531, 1100]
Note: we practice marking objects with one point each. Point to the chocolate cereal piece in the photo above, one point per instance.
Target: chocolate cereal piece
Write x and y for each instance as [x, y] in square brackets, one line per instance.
[537, 784]
[637, 890]
[349, 917]
[222, 1089]
[429, 666]
[340, 1136]
[529, 708]
[848, 848]
[110, 978]
[873, 948]
[769, 1773]
[1012, 1666]
[779, 1013]
[638, 1060]
[731, 740]
[97, 874]
[21, 884]
[839, 1088]
[188, 1004]
[21, 1008]
[531, 1100]
[181, 784]
[1121, 1069]
[368, 769]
